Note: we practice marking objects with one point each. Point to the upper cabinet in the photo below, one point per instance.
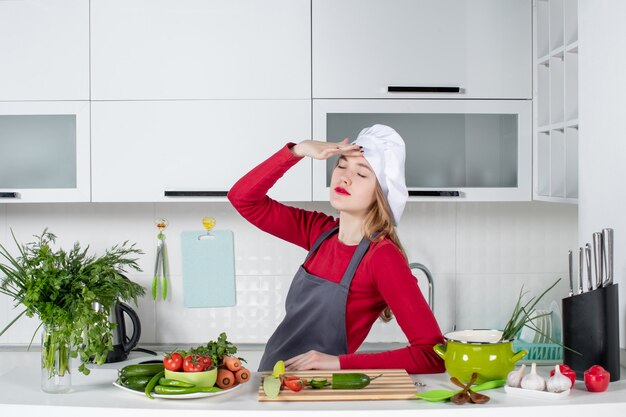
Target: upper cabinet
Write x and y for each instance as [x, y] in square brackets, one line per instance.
[200, 49]
[193, 150]
[478, 49]
[44, 50]
[44, 151]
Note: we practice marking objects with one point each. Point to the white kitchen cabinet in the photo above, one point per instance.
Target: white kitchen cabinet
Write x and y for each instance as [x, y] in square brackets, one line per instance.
[193, 150]
[456, 150]
[363, 47]
[200, 49]
[44, 151]
[44, 50]
[556, 104]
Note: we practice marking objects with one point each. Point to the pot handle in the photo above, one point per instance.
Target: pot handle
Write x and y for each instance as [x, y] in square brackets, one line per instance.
[519, 355]
[440, 350]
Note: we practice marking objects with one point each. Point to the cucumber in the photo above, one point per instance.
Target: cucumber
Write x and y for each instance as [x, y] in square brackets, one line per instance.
[351, 381]
[148, 369]
[137, 383]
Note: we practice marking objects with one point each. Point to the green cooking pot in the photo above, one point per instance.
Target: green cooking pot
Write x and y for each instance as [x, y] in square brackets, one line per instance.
[480, 351]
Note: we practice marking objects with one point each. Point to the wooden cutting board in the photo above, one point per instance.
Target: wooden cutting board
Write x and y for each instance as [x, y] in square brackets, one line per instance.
[395, 384]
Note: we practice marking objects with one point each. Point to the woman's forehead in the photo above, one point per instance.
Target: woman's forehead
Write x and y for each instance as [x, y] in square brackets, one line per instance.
[357, 160]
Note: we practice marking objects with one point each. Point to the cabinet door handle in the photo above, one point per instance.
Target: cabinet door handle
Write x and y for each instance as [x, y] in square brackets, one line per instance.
[196, 193]
[418, 89]
[434, 193]
[11, 194]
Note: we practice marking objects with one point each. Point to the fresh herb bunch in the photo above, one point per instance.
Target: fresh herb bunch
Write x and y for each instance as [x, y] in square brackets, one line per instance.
[60, 288]
[521, 314]
[216, 349]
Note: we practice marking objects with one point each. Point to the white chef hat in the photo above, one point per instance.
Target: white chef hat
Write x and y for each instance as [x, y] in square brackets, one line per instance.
[384, 150]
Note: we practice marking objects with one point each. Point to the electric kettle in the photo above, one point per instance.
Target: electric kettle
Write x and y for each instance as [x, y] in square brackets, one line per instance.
[122, 342]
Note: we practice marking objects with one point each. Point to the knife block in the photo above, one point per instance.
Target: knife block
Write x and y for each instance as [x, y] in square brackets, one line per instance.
[591, 327]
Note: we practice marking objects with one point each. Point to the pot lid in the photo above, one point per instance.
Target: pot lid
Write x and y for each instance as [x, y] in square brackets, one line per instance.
[480, 336]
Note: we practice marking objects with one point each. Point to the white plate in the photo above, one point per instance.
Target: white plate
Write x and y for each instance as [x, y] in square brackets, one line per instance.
[180, 396]
[556, 321]
[531, 393]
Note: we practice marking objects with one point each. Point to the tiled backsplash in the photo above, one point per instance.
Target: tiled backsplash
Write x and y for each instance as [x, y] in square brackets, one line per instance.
[480, 255]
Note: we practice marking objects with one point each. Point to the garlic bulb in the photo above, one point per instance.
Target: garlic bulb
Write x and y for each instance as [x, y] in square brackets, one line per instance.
[514, 378]
[533, 380]
[558, 382]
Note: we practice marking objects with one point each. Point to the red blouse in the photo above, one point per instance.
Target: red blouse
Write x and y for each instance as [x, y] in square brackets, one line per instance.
[383, 277]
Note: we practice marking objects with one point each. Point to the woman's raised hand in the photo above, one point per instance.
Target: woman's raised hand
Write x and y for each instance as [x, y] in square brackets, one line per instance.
[324, 150]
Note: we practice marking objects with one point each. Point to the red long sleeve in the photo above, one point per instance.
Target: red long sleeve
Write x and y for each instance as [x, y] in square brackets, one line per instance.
[383, 277]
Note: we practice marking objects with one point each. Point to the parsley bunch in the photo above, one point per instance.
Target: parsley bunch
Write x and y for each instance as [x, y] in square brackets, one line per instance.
[60, 288]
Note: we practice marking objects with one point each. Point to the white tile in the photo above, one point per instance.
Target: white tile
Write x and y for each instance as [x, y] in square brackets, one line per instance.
[514, 237]
[259, 309]
[98, 225]
[486, 301]
[256, 252]
[427, 232]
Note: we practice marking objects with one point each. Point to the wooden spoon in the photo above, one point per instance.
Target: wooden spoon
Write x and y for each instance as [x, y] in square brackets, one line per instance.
[474, 397]
[463, 397]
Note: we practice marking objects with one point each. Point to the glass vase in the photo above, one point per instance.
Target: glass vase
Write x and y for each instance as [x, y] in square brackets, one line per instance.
[55, 360]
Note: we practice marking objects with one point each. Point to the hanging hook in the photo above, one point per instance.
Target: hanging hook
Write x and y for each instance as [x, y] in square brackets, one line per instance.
[208, 223]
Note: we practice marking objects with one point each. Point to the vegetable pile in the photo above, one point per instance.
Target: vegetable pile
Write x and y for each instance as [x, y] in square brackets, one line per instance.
[151, 377]
[278, 380]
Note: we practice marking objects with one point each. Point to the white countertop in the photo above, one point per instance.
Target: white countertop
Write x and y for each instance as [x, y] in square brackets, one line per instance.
[95, 396]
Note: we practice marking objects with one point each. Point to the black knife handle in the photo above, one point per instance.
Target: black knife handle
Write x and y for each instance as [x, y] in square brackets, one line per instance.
[434, 193]
[421, 89]
[10, 194]
[207, 193]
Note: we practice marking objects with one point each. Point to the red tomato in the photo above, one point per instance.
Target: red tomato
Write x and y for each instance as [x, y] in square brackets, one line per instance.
[205, 361]
[192, 364]
[173, 361]
[568, 372]
[597, 379]
[294, 384]
[285, 378]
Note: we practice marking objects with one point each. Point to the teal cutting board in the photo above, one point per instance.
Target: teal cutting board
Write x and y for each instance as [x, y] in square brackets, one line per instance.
[208, 269]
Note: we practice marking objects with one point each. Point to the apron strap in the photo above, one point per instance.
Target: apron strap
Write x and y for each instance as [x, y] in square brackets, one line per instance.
[360, 251]
[319, 241]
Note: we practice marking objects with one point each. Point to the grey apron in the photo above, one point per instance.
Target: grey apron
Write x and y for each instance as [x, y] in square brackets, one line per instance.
[315, 312]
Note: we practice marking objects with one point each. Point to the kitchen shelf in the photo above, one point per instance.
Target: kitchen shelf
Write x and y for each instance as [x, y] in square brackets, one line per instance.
[555, 137]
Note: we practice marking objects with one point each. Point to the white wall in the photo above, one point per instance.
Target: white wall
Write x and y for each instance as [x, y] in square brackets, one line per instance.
[602, 142]
[480, 255]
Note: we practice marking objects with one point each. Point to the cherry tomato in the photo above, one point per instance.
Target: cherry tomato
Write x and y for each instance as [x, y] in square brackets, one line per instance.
[568, 372]
[192, 364]
[294, 385]
[597, 379]
[285, 378]
[173, 361]
[205, 361]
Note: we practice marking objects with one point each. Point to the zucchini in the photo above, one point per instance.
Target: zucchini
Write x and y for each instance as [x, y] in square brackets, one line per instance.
[351, 381]
[148, 369]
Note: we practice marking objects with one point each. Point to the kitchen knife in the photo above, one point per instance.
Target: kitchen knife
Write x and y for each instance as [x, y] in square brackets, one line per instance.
[588, 261]
[597, 257]
[571, 273]
[607, 253]
[581, 268]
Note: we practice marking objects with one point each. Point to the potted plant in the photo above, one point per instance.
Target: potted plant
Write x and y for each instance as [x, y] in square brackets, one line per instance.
[60, 288]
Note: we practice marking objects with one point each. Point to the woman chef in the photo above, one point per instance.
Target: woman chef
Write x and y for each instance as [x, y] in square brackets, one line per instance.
[355, 270]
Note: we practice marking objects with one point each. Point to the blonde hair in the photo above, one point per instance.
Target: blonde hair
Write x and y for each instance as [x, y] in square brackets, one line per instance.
[379, 219]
